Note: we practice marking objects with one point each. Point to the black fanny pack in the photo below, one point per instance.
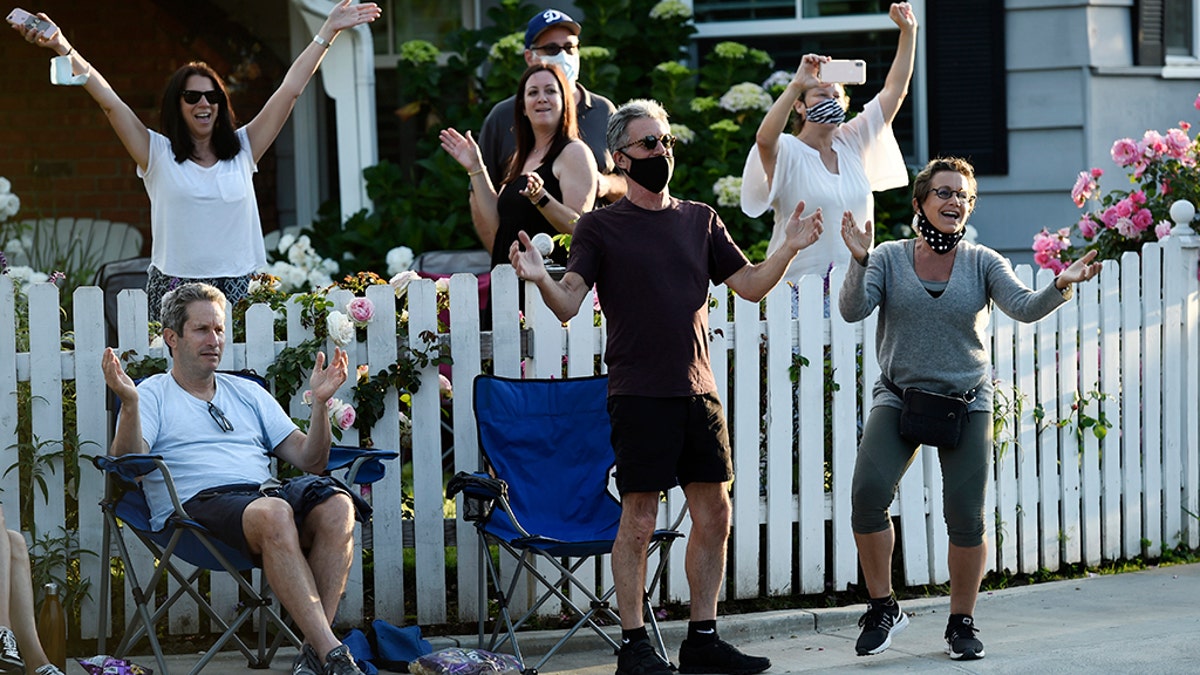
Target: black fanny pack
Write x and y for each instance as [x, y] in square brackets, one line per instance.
[929, 418]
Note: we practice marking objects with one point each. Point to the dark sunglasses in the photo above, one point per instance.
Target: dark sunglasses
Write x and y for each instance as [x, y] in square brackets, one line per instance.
[553, 49]
[192, 97]
[219, 417]
[651, 142]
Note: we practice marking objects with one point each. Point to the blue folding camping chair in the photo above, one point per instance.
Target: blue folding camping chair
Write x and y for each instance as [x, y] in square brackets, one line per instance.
[544, 496]
[184, 539]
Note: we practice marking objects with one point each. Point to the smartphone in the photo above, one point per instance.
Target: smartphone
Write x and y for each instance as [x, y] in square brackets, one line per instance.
[19, 17]
[847, 71]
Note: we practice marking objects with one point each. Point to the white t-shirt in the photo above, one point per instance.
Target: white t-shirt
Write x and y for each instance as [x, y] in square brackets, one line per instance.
[203, 220]
[198, 452]
[869, 159]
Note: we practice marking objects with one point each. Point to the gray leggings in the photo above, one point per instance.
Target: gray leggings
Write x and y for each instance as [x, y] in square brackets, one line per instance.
[883, 457]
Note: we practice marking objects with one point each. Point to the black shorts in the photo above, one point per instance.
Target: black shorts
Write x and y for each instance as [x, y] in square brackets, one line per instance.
[663, 442]
[220, 509]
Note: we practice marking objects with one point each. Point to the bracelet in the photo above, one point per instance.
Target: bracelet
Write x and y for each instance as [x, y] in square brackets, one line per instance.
[321, 41]
[476, 172]
[541, 203]
[70, 50]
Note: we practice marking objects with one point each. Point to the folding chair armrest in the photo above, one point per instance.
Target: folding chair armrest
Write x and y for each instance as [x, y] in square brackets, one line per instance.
[479, 485]
[363, 465]
[129, 469]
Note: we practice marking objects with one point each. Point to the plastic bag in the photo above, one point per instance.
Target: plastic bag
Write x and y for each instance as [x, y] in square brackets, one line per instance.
[456, 661]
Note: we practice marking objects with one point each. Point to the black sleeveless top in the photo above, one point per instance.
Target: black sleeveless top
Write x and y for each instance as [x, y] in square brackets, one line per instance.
[518, 213]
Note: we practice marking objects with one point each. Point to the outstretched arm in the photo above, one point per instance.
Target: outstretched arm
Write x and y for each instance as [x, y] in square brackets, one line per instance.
[753, 282]
[310, 452]
[895, 87]
[265, 126]
[562, 297]
[484, 214]
[130, 130]
[775, 121]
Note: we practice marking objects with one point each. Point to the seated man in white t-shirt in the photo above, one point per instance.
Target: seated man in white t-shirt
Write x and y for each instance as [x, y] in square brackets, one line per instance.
[214, 431]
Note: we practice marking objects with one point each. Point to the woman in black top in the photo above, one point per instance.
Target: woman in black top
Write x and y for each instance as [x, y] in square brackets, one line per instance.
[549, 180]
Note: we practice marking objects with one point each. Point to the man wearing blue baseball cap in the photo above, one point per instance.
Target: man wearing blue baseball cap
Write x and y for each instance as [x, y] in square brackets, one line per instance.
[553, 37]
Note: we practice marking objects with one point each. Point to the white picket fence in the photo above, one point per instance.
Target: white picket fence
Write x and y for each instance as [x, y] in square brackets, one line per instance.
[1133, 333]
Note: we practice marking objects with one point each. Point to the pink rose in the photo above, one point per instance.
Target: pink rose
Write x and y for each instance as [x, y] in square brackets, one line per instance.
[345, 417]
[1126, 228]
[444, 387]
[1124, 208]
[1087, 227]
[361, 311]
[1142, 218]
[1197, 103]
[1137, 197]
[1109, 217]
[1085, 188]
[1042, 259]
[1096, 172]
[1178, 143]
[1184, 125]
[1162, 229]
[307, 397]
[1124, 152]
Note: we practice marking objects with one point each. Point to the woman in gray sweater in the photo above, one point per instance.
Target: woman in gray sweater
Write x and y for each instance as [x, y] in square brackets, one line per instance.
[934, 293]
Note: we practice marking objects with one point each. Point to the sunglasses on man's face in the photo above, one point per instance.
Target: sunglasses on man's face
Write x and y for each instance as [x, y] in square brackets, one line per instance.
[651, 142]
[553, 48]
[213, 96]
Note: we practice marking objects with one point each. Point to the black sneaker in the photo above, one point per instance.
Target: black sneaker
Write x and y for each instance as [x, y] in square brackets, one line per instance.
[639, 658]
[307, 662]
[10, 658]
[961, 643]
[339, 661]
[878, 627]
[719, 656]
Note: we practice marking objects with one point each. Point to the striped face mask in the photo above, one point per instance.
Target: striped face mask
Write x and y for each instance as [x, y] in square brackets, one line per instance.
[939, 241]
[829, 111]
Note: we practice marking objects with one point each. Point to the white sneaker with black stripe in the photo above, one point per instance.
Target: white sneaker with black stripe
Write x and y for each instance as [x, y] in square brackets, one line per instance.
[10, 657]
[879, 624]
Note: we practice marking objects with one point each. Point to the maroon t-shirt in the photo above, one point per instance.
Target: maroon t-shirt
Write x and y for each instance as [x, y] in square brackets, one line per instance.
[652, 271]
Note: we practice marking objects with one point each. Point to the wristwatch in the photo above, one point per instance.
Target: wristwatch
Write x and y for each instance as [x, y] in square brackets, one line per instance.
[1068, 292]
[544, 200]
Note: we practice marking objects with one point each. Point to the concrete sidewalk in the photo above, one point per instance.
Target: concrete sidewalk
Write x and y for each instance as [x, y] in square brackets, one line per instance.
[1138, 622]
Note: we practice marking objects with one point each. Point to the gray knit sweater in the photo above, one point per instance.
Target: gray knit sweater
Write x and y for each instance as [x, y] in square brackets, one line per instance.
[938, 344]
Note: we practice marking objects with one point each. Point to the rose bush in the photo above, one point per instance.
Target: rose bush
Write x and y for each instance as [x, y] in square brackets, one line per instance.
[1162, 169]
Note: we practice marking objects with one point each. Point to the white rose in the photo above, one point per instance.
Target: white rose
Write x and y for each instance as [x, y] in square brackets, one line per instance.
[285, 242]
[329, 265]
[399, 259]
[319, 279]
[401, 281]
[9, 205]
[341, 329]
[5, 186]
[20, 273]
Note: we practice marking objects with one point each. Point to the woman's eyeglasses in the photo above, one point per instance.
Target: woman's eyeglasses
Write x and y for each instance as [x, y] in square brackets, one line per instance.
[219, 417]
[192, 97]
[946, 193]
[553, 48]
[651, 142]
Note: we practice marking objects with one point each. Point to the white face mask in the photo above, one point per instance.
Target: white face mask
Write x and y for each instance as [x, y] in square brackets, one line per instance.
[567, 63]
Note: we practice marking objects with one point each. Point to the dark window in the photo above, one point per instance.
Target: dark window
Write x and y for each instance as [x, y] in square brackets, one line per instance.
[966, 76]
[743, 10]
[1148, 32]
[1178, 26]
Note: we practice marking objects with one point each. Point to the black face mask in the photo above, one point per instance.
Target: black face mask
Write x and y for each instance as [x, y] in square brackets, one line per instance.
[652, 173]
[938, 241]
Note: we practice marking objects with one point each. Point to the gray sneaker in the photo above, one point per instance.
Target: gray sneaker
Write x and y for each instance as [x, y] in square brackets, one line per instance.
[48, 669]
[339, 661]
[10, 658]
[307, 662]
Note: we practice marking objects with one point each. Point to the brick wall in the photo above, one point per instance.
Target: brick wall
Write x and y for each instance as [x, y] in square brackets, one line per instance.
[56, 146]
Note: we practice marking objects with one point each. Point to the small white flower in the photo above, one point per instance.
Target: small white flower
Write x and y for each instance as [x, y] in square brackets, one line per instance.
[779, 78]
[341, 328]
[399, 259]
[20, 274]
[746, 96]
[728, 190]
[682, 133]
[285, 242]
[400, 282]
[670, 9]
[5, 185]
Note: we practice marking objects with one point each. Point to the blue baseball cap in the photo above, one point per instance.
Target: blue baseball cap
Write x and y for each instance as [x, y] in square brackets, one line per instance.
[545, 19]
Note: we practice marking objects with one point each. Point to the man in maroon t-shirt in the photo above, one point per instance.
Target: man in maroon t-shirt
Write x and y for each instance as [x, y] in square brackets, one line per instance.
[651, 258]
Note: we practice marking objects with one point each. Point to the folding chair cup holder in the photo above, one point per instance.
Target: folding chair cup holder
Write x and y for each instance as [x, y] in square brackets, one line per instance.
[183, 539]
[544, 498]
